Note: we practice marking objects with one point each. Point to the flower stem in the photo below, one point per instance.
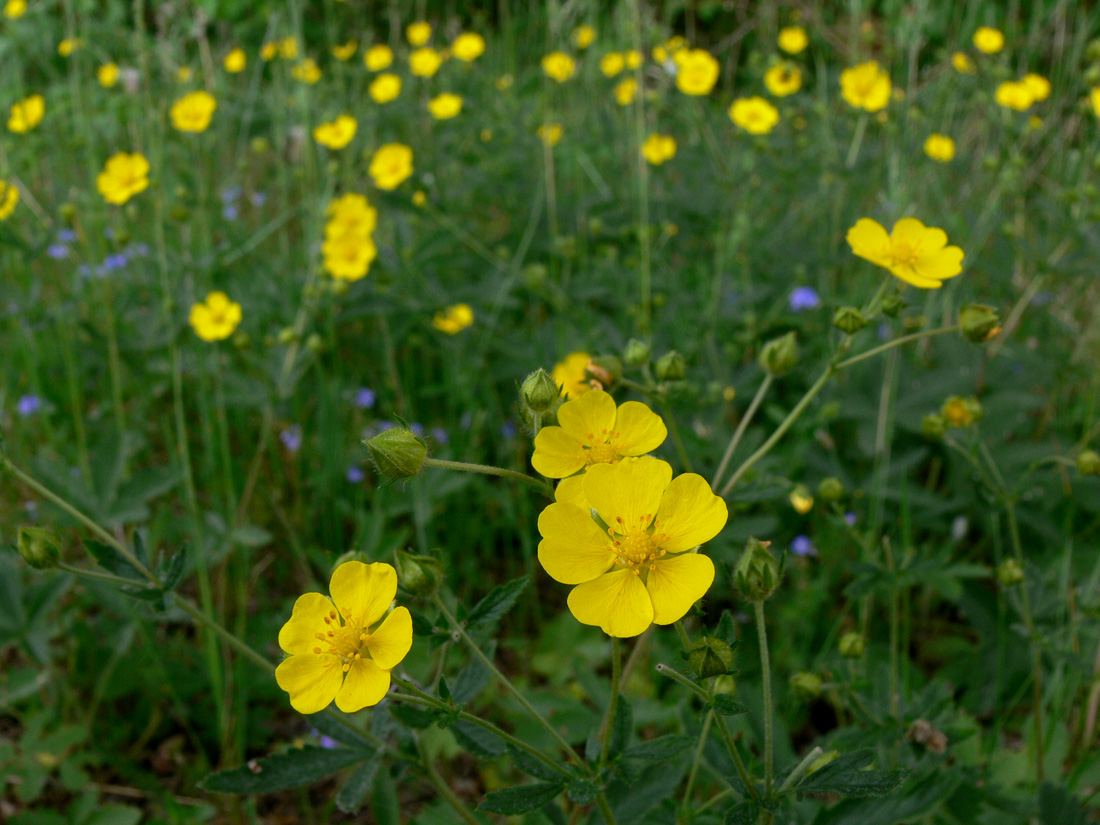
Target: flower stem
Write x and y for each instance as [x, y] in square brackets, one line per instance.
[738, 763]
[612, 705]
[766, 675]
[445, 790]
[796, 775]
[685, 802]
[743, 425]
[905, 339]
[489, 470]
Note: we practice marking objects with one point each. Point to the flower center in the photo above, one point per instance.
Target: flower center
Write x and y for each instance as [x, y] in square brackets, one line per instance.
[348, 641]
[607, 452]
[635, 546]
[904, 253]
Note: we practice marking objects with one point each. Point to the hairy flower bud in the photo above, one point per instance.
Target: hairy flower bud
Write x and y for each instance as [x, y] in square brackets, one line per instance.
[710, 656]
[607, 369]
[420, 575]
[851, 646]
[397, 453]
[979, 322]
[538, 392]
[849, 320]
[1088, 463]
[892, 305]
[39, 547]
[671, 367]
[831, 489]
[757, 573]
[806, 685]
[636, 353]
[1009, 574]
[779, 355]
[933, 426]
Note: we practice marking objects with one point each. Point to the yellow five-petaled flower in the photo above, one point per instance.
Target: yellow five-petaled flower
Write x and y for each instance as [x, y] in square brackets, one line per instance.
[916, 253]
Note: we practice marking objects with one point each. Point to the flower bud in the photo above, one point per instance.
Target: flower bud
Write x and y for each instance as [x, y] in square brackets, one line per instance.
[933, 426]
[806, 685]
[757, 573]
[397, 453]
[671, 367]
[39, 547]
[67, 211]
[979, 322]
[606, 369]
[636, 353]
[538, 392]
[710, 656]
[1009, 574]
[725, 684]
[288, 335]
[1088, 463]
[851, 646]
[801, 500]
[420, 575]
[779, 355]
[340, 287]
[315, 343]
[831, 489]
[260, 145]
[892, 305]
[849, 320]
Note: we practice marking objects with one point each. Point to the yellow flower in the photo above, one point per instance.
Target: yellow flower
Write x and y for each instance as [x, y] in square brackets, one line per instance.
[793, 39]
[625, 91]
[68, 46]
[960, 412]
[1039, 86]
[659, 148]
[445, 106]
[9, 197]
[391, 164]
[192, 112]
[14, 9]
[612, 63]
[306, 71]
[989, 40]
[344, 649]
[584, 36]
[939, 147]
[697, 72]
[1014, 94]
[569, 374]
[419, 198]
[26, 114]
[336, 134]
[783, 79]
[1094, 99]
[504, 82]
[592, 430]
[866, 86]
[962, 63]
[123, 177]
[468, 46]
[453, 319]
[754, 114]
[801, 500]
[348, 257]
[633, 59]
[235, 61]
[559, 66]
[641, 568]
[385, 87]
[345, 51]
[1034, 122]
[660, 54]
[378, 57]
[217, 318]
[107, 75]
[268, 51]
[424, 62]
[183, 74]
[350, 214]
[288, 48]
[549, 134]
[916, 253]
[418, 33]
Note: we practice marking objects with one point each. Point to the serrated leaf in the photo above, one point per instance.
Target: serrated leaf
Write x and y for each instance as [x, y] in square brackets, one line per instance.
[444, 691]
[1057, 806]
[111, 560]
[351, 797]
[747, 813]
[582, 791]
[520, 800]
[492, 608]
[621, 728]
[533, 766]
[477, 740]
[383, 801]
[663, 747]
[171, 569]
[141, 552]
[846, 776]
[413, 717]
[290, 769]
[472, 679]
[726, 705]
[726, 630]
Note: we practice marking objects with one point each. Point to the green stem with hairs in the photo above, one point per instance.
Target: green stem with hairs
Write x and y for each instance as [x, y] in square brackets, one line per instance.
[612, 705]
[743, 425]
[489, 470]
[766, 675]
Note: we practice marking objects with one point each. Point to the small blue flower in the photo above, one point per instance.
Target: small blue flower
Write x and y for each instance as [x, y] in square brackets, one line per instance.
[508, 429]
[355, 475]
[28, 405]
[66, 236]
[292, 438]
[233, 193]
[258, 199]
[114, 261]
[139, 250]
[57, 251]
[417, 429]
[802, 546]
[803, 298]
[385, 425]
[365, 398]
[439, 435]
[466, 421]
[230, 212]
[850, 518]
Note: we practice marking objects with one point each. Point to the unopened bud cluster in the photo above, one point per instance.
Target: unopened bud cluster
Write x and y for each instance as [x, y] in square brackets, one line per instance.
[397, 453]
[757, 573]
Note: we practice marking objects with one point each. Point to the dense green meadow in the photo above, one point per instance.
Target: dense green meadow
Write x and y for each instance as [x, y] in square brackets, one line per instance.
[690, 408]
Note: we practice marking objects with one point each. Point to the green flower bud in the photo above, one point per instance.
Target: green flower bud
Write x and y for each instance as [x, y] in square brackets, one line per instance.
[1009, 574]
[830, 489]
[806, 685]
[849, 320]
[725, 684]
[420, 575]
[851, 646]
[538, 392]
[315, 343]
[288, 335]
[979, 322]
[340, 287]
[607, 369]
[933, 426]
[242, 340]
[779, 355]
[260, 145]
[636, 353]
[67, 211]
[1088, 463]
[397, 453]
[892, 305]
[710, 656]
[671, 367]
[757, 573]
[39, 547]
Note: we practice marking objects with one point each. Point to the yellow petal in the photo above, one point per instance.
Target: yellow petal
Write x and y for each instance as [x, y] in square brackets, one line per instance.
[677, 583]
[616, 602]
[363, 590]
[299, 634]
[557, 454]
[627, 494]
[366, 684]
[910, 276]
[640, 429]
[571, 491]
[311, 680]
[690, 514]
[909, 230]
[869, 240]
[573, 549]
[947, 263]
[589, 417]
[390, 643]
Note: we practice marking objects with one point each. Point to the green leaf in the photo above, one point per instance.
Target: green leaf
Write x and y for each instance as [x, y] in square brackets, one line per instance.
[471, 680]
[512, 801]
[726, 630]
[251, 536]
[620, 730]
[582, 791]
[111, 560]
[846, 776]
[350, 798]
[171, 569]
[413, 717]
[747, 813]
[329, 725]
[290, 769]
[726, 705]
[663, 747]
[477, 740]
[1057, 806]
[492, 608]
[533, 766]
[383, 801]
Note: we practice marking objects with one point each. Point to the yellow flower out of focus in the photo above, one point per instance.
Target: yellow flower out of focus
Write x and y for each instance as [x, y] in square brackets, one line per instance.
[592, 430]
[697, 72]
[348, 257]
[123, 177]
[559, 66]
[916, 253]
[268, 51]
[866, 86]
[338, 133]
[468, 46]
[68, 46]
[378, 57]
[939, 147]
[9, 197]
[385, 87]
[959, 412]
[192, 112]
[1094, 99]
[350, 214]
[346, 51]
[783, 79]
[754, 114]
[625, 91]
[425, 62]
[107, 75]
[569, 375]
[445, 106]
[801, 500]
[235, 61]
[641, 568]
[962, 63]
[504, 82]
[633, 59]
[306, 71]
[612, 64]
[344, 649]
[793, 39]
[1013, 94]
[549, 134]
[418, 33]
[26, 114]
[1039, 86]
[989, 40]
[14, 9]
[584, 36]
[659, 148]
[288, 48]
[453, 319]
[419, 198]
[183, 74]
[390, 165]
[216, 318]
